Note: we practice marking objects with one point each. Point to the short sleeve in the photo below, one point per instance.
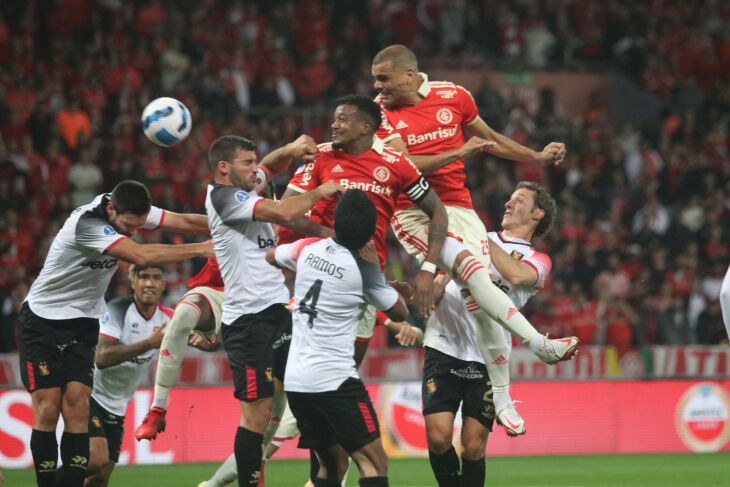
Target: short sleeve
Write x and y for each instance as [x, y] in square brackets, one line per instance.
[287, 255]
[96, 233]
[375, 288]
[111, 324]
[262, 177]
[542, 264]
[468, 106]
[154, 218]
[234, 205]
[305, 178]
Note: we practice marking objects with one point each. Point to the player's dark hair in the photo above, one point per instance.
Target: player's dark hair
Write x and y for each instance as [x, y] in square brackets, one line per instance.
[355, 218]
[224, 148]
[398, 55]
[131, 197]
[545, 202]
[367, 109]
[135, 269]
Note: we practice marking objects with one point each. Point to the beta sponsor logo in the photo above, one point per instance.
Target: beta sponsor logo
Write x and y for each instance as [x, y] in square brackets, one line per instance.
[371, 187]
[701, 417]
[442, 133]
[266, 243]
[101, 264]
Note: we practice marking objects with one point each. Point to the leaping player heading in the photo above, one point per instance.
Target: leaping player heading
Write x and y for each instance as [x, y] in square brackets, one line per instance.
[437, 123]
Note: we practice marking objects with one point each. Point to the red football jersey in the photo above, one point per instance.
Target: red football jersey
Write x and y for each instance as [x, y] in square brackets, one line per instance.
[434, 126]
[383, 173]
[209, 276]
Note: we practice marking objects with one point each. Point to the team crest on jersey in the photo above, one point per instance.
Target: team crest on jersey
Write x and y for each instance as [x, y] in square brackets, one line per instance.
[269, 375]
[517, 255]
[431, 385]
[95, 420]
[444, 115]
[242, 196]
[109, 230]
[381, 173]
[43, 369]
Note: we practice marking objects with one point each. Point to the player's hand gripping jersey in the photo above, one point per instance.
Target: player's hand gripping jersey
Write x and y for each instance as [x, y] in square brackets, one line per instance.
[115, 385]
[383, 173]
[332, 289]
[434, 126]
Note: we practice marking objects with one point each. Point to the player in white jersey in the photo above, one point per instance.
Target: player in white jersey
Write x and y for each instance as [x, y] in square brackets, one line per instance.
[332, 288]
[58, 322]
[454, 370]
[431, 121]
[256, 325]
[129, 333]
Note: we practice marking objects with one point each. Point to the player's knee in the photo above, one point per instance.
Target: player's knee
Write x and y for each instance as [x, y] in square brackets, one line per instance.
[46, 413]
[459, 259]
[439, 439]
[473, 447]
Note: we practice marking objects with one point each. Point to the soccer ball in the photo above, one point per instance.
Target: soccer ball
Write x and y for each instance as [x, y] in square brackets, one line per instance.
[166, 121]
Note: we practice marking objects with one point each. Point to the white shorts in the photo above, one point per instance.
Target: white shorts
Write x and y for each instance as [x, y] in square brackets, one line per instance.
[287, 426]
[215, 300]
[411, 227]
[367, 324]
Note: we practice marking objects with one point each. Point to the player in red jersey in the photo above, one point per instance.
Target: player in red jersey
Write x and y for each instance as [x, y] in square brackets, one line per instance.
[437, 123]
[357, 160]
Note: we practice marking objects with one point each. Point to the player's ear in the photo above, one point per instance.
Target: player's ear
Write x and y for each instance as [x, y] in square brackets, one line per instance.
[222, 167]
[538, 214]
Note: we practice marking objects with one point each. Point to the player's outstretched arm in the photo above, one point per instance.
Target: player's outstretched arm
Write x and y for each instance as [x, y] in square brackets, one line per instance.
[110, 352]
[433, 162]
[305, 226]
[145, 254]
[291, 209]
[185, 223]
[278, 161]
[516, 272]
[553, 153]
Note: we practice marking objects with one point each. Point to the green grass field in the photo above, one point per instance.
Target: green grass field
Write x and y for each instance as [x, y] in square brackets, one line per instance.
[661, 470]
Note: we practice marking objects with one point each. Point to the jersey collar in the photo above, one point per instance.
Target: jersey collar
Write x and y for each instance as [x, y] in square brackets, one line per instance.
[378, 145]
[504, 238]
[425, 88]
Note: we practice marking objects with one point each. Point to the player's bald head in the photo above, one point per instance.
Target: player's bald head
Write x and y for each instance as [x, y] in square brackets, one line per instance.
[399, 56]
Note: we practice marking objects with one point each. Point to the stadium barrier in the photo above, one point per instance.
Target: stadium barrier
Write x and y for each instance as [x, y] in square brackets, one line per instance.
[606, 417]
[592, 363]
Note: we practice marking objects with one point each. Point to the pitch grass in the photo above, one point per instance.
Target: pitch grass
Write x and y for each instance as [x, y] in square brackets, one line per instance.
[660, 470]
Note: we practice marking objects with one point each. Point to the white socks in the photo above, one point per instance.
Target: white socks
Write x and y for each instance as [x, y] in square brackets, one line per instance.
[492, 300]
[172, 350]
[225, 474]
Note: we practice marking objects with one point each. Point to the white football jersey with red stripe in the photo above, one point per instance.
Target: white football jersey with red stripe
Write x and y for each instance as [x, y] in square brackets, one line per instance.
[332, 288]
[434, 126]
[123, 322]
[523, 251]
[77, 270]
[451, 329]
[383, 173]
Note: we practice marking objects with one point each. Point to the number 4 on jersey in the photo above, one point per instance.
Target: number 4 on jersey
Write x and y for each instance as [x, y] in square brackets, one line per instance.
[308, 305]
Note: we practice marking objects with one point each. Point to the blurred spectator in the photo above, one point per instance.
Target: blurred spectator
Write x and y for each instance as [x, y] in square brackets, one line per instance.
[85, 178]
[710, 327]
[673, 324]
[73, 124]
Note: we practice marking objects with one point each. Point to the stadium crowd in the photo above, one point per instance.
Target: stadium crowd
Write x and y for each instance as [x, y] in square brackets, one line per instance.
[640, 246]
